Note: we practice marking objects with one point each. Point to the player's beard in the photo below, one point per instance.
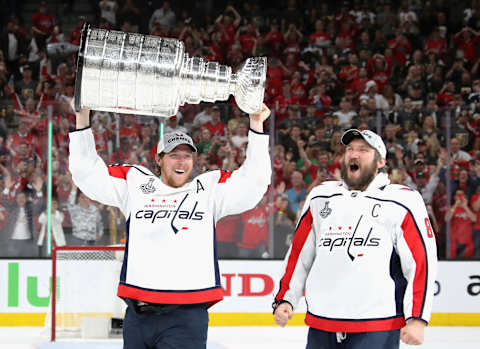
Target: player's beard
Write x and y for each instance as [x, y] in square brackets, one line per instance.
[175, 181]
[367, 174]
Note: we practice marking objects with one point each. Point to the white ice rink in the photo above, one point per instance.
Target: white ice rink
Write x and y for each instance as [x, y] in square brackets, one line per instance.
[241, 338]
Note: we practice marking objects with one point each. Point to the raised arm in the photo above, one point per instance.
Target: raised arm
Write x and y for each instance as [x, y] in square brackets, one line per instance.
[449, 214]
[105, 184]
[238, 18]
[257, 119]
[469, 212]
[303, 154]
[242, 189]
[82, 118]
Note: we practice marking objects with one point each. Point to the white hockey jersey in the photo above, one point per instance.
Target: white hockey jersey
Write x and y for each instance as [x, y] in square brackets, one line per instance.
[366, 260]
[170, 252]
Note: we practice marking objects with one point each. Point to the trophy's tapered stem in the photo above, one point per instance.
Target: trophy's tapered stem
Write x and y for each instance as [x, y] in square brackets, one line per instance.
[204, 81]
[232, 86]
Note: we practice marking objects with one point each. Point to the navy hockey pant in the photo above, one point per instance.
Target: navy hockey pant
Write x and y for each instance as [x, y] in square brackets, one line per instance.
[318, 339]
[185, 327]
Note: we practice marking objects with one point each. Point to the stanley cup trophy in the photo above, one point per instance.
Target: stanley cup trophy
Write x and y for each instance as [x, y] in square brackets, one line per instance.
[149, 75]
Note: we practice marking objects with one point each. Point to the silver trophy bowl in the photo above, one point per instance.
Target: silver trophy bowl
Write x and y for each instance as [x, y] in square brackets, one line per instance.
[149, 75]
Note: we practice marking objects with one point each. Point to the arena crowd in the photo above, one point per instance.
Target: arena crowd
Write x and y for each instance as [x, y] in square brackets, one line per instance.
[407, 70]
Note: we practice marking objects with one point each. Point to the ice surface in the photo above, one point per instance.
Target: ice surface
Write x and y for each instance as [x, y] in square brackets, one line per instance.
[220, 337]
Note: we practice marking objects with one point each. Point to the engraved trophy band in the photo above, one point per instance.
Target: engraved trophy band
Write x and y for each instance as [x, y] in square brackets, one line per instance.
[149, 75]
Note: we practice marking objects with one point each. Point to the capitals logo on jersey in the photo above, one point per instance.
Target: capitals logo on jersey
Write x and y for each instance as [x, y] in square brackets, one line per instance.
[348, 238]
[168, 211]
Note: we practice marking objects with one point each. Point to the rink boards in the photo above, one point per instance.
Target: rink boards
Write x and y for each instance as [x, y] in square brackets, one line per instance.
[249, 288]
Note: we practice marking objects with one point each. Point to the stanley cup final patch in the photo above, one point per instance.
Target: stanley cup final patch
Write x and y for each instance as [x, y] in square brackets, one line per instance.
[148, 188]
[324, 212]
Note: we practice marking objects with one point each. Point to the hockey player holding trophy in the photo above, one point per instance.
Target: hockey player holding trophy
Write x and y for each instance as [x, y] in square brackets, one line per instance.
[170, 273]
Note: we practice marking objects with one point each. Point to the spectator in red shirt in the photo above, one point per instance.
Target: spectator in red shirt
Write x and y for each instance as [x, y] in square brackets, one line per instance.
[227, 236]
[401, 47]
[282, 101]
[28, 113]
[349, 72]
[216, 126]
[228, 25]
[436, 43]
[253, 241]
[61, 136]
[129, 128]
[24, 153]
[192, 41]
[466, 41]
[276, 72]
[299, 89]
[278, 163]
[445, 95]
[42, 24]
[248, 36]
[23, 135]
[293, 38]
[379, 70]
[77, 32]
[358, 84]
[46, 93]
[346, 34]
[124, 151]
[475, 203]
[57, 35]
[439, 203]
[39, 131]
[291, 65]
[221, 154]
[274, 39]
[215, 46]
[319, 97]
[419, 170]
[235, 55]
[101, 136]
[319, 39]
[461, 231]
[63, 74]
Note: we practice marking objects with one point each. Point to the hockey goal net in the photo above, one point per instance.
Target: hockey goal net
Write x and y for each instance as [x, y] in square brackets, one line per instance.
[84, 300]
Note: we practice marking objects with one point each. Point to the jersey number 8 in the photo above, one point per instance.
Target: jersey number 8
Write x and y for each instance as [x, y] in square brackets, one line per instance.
[429, 228]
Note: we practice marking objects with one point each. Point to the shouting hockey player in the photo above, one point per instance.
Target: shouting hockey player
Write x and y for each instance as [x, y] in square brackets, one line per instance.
[364, 255]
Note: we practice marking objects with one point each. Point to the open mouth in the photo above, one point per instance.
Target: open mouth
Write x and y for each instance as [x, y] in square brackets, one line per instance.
[353, 168]
[180, 171]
